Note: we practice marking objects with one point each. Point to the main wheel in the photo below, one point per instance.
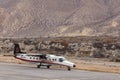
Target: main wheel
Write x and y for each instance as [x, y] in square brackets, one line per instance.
[69, 68]
[48, 67]
[38, 66]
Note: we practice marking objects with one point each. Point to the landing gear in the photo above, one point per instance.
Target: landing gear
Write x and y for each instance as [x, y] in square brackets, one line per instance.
[38, 66]
[48, 66]
[69, 69]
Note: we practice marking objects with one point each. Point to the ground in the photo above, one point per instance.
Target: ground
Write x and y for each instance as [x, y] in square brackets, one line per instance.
[12, 71]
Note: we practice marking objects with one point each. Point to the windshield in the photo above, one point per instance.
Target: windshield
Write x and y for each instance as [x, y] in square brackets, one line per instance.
[61, 59]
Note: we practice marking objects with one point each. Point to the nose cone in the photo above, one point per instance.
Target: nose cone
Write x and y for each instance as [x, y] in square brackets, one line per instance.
[74, 65]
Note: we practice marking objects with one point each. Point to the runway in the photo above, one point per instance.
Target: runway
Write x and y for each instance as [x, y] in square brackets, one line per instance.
[9, 71]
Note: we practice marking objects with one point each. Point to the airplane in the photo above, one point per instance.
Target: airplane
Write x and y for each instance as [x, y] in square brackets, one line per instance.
[42, 59]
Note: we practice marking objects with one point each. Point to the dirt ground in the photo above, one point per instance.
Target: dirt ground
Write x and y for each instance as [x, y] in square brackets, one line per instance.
[91, 64]
[94, 64]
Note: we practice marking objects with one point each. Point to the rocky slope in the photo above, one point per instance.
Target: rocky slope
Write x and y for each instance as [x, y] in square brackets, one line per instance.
[28, 18]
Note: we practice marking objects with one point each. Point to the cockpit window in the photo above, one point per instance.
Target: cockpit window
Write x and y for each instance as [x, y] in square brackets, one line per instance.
[61, 59]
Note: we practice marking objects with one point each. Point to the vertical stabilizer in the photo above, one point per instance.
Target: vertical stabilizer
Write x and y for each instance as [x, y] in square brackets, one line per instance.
[17, 49]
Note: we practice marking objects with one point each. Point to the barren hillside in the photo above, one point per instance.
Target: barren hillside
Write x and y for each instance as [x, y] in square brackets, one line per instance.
[21, 18]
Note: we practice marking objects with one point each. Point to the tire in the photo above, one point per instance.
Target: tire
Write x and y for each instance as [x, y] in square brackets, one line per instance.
[48, 67]
[69, 69]
[38, 66]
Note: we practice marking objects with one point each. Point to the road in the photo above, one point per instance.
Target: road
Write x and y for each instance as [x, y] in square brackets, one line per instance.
[9, 71]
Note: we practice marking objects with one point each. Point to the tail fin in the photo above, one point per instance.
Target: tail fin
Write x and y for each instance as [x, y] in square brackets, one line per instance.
[17, 49]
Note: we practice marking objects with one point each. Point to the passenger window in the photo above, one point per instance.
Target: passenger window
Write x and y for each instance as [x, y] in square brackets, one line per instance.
[55, 60]
[36, 58]
[33, 57]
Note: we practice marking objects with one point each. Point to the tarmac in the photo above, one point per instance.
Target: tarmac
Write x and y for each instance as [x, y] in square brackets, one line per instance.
[10, 71]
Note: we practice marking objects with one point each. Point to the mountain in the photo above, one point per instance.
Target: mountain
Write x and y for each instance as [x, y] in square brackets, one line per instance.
[35, 18]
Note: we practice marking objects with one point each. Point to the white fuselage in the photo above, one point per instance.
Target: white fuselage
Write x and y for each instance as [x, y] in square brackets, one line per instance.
[50, 59]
